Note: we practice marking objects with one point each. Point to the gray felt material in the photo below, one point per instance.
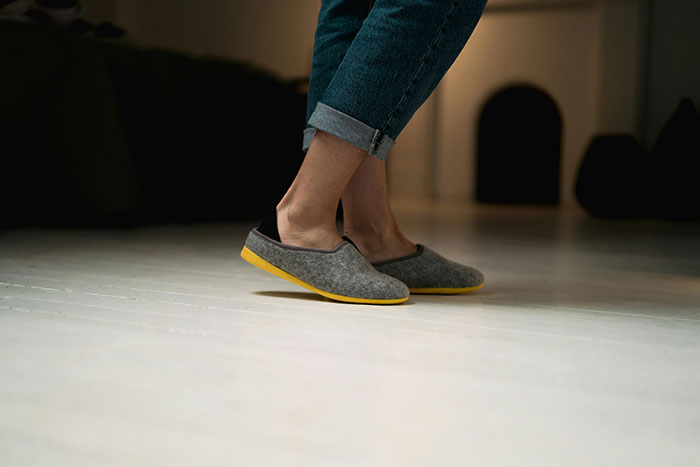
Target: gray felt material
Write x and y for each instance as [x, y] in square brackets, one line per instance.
[342, 271]
[428, 269]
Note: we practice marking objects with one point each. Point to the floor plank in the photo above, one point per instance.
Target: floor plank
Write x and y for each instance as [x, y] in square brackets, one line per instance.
[161, 346]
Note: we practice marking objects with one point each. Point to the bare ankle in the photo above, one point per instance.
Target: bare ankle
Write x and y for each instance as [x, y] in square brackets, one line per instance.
[380, 246]
[300, 227]
[305, 216]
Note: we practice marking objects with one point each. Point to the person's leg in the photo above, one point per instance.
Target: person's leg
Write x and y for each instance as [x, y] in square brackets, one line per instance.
[338, 23]
[367, 217]
[373, 230]
[400, 53]
[394, 62]
[306, 213]
[398, 56]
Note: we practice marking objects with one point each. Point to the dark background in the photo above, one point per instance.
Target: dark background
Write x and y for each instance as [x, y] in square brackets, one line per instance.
[105, 132]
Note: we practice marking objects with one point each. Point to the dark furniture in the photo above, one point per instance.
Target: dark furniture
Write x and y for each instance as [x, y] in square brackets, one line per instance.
[108, 134]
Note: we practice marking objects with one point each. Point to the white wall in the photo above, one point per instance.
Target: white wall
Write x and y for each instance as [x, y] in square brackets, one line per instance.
[585, 54]
[554, 50]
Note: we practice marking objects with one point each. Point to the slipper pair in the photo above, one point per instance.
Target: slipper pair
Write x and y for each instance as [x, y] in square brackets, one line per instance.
[344, 274]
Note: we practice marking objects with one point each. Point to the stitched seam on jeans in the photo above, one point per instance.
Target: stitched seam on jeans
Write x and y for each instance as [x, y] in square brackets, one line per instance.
[423, 59]
[373, 144]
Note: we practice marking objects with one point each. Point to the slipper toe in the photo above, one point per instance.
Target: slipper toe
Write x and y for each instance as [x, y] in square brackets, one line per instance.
[426, 271]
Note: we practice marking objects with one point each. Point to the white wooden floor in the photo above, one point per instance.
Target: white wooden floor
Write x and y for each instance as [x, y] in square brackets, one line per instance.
[161, 347]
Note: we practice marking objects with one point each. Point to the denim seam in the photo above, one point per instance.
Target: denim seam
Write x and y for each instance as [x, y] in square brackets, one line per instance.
[375, 140]
[424, 58]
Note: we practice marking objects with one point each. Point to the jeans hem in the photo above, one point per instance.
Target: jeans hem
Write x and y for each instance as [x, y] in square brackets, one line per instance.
[349, 129]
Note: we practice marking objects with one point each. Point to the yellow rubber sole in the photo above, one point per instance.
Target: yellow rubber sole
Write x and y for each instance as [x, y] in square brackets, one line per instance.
[256, 260]
[445, 290]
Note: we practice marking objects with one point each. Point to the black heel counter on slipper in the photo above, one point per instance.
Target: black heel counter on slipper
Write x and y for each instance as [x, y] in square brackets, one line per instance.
[268, 227]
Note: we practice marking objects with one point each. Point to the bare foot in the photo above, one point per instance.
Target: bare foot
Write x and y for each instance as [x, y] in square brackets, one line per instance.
[298, 227]
[378, 248]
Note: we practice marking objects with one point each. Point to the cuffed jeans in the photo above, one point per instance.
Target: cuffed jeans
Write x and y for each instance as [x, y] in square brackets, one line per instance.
[376, 62]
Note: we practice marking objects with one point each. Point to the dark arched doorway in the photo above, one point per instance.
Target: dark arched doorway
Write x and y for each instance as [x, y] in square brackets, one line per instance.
[519, 147]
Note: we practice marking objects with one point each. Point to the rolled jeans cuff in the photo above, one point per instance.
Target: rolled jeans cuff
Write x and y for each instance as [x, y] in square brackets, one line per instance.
[349, 129]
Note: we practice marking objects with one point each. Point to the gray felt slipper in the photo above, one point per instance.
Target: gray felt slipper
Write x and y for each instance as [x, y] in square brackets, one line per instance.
[340, 274]
[425, 271]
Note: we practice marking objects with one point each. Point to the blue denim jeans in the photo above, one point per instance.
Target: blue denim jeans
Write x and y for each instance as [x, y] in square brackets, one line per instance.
[376, 62]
